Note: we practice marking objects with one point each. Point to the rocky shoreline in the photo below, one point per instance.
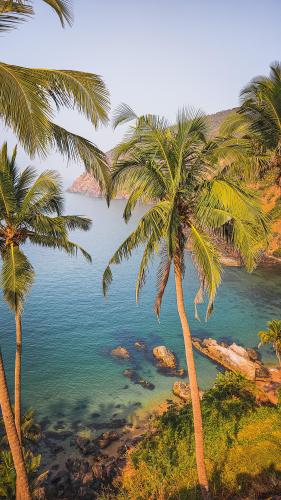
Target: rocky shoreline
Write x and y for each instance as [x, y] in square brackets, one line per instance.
[82, 464]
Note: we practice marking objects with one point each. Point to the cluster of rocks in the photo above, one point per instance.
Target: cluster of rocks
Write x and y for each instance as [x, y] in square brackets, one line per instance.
[165, 361]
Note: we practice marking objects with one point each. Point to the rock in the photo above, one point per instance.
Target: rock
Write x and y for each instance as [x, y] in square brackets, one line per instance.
[131, 374]
[233, 357]
[182, 390]
[116, 423]
[120, 352]
[165, 356]
[140, 344]
[86, 446]
[253, 354]
[239, 350]
[146, 384]
[106, 438]
[180, 372]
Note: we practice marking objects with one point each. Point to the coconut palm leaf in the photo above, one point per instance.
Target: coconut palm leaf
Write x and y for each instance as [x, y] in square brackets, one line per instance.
[13, 13]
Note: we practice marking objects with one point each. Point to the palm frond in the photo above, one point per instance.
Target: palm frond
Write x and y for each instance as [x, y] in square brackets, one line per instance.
[207, 262]
[62, 9]
[163, 274]
[13, 13]
[77, 148]
[123, 114]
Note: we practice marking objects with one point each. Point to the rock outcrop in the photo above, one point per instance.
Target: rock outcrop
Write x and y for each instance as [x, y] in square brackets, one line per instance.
[233, 357]
[165, 357]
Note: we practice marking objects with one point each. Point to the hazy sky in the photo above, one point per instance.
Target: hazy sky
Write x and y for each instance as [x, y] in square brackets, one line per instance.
[155, 55]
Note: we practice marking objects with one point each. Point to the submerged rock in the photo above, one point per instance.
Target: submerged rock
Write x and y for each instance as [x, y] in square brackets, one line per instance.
[120, 352]
[232, 357]
[140, 344]
[136, 379]
[165, 356]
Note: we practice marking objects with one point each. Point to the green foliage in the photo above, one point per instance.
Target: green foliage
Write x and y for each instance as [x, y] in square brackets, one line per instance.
[31, 97]
[30, 210]
[194, 201]
[242, 441]
[277, 252]
[272, 336]
[8, 473]
[231, 395]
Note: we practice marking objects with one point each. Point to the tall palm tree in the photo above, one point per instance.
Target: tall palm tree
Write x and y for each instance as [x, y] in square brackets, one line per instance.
[30, 211]
[29, 98]
[180, 173]
[272, 336]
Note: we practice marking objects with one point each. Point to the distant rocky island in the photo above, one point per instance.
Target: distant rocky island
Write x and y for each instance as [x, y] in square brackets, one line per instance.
[86, 184]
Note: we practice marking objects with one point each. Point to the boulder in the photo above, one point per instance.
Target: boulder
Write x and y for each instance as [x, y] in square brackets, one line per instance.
[182, 390]
[165, 357]
[106, 438]
[232, 357]
[146, 384]
[85, 445]
[120, 352]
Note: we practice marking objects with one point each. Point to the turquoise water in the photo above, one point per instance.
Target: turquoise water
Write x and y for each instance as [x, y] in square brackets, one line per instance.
[70, 329]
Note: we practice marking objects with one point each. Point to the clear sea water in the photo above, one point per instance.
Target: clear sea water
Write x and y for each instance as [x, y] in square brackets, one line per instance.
[70, 328]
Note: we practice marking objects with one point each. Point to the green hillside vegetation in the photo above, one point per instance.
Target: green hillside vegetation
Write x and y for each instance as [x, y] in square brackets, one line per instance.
[242, 442]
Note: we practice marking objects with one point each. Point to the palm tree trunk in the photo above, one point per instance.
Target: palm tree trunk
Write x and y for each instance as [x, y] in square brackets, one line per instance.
[195, 398]
[18, 374]
[12, 436]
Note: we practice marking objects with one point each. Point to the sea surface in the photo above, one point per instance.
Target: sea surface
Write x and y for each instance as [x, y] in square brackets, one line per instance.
[69, 328]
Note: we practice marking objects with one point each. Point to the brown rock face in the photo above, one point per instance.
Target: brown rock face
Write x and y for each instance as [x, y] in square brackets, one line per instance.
[232, 357]
[165, 356]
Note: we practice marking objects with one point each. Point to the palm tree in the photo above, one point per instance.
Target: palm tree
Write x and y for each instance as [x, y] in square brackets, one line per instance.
[176, 170]
[258, 121]
[29, 98]
[12, 435]
[272, 336]
[30, 211]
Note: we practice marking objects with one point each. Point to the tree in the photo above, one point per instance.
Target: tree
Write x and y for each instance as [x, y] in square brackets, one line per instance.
[178, 171]
[30, 211]
[258, 122]
[12, 435]
[29, 98]
[272, 336]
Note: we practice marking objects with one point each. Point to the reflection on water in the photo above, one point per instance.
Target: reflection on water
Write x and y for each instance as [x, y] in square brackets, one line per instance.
[69, 376]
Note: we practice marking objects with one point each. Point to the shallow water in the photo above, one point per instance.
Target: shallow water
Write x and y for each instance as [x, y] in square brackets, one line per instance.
[70, 329]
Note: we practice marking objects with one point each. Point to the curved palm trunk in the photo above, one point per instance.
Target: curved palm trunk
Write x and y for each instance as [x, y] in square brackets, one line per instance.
[195, 398]
[18, 374]
[12, 436]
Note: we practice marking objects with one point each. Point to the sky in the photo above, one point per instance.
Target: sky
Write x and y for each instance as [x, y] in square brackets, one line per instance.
[155, 55]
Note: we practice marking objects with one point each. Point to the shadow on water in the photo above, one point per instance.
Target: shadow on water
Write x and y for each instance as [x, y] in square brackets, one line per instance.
[78, 415]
